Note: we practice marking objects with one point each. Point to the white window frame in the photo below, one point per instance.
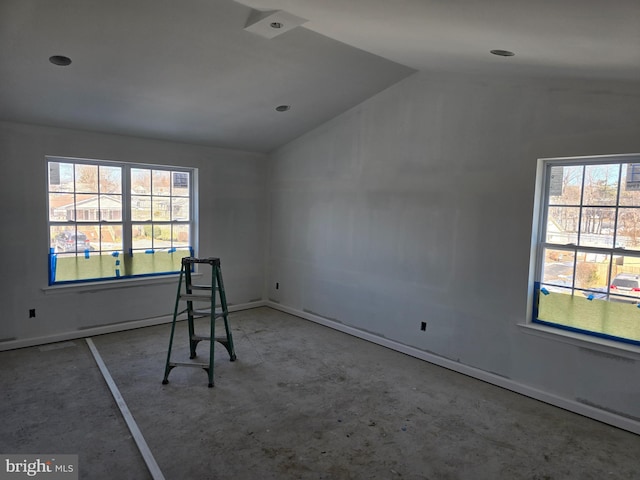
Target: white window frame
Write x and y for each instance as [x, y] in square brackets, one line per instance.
[127, 222]
[532, 325]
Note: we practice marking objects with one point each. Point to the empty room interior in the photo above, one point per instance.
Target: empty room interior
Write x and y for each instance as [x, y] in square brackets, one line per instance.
[426, 215]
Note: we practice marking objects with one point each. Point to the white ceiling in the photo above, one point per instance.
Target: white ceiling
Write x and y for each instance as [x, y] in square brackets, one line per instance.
[568, 38]
[188, 71]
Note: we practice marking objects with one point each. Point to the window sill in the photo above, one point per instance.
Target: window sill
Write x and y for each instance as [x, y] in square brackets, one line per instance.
[605, 346]
[92, 287]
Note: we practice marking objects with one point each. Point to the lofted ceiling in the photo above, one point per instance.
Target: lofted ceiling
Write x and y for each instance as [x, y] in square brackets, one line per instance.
[192, 71]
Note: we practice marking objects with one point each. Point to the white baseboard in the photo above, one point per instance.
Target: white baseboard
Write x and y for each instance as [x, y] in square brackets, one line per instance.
[561, 402]
[102, 329]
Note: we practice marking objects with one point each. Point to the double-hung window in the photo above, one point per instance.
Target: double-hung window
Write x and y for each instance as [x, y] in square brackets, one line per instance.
[588, 247]
[111, 220]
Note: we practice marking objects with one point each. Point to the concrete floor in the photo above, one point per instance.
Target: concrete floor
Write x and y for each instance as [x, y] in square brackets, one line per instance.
[301, 402]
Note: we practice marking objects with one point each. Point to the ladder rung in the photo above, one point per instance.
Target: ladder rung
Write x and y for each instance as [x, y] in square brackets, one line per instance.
[202, 287]
[194, 297]
[188, 364]
[208, 338]
[207, 313]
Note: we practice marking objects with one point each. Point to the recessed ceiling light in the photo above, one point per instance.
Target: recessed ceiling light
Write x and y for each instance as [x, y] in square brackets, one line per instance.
[275, 25]
[503, 53]
[283, 108]
[60, 60]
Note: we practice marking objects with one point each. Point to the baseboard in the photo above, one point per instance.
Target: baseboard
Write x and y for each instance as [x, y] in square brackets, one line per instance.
[564, 403]
[110, 328]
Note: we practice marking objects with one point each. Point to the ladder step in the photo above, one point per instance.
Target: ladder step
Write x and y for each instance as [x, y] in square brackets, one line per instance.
[208, 338]
[206, 312]
[188, 364]
[202, 287]
[194, 297]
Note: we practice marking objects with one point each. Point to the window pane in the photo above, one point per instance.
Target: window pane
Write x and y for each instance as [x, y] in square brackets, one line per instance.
[111, 208]
[86, 178]
[625, 264]
[592, 270]
[565, 184]
[562, 225]
[601, 184]
[180, 208]
[92, 232]
[161, 207]
[181, 236]
[59, 206]
[161, 236]
[597, 226]
[110, 180]
[140, 208]
[87, 208]
[180, 184]
[111, 237]
[65, 239]
[628, 228]
[61, 177]
[161, 182]
[625, 284]
[558, 267]
[141, 236]
[140, 181]
[630, 185]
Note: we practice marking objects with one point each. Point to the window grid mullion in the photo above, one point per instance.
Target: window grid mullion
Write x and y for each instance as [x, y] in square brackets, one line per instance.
[126, 208]
[580, 211]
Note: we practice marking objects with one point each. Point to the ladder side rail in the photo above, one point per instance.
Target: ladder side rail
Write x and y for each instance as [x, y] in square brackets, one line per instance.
[167, 367]
[187, 263]
[212, 321]
[225, 313]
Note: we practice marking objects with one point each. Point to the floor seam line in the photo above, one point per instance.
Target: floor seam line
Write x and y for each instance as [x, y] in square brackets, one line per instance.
[144, 449]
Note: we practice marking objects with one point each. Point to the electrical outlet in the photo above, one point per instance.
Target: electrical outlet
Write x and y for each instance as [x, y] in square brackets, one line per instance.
[32, 313]
[423, 326]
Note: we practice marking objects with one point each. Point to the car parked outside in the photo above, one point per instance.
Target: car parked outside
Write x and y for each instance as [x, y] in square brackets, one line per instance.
[625, 287]
[70, 241]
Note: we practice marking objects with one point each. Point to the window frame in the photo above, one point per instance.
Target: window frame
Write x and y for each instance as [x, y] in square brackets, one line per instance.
[540, 244]
[127, 222]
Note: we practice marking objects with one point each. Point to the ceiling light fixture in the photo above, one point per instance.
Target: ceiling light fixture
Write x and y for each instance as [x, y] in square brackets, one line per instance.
[60, 60]
[503, 53]
[283, 108]
[275, 25]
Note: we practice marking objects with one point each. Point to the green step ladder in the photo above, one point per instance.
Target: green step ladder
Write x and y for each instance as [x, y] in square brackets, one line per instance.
[205, 296]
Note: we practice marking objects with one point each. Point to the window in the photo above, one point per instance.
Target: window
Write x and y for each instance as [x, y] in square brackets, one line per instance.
[588, 255]
[112, 220]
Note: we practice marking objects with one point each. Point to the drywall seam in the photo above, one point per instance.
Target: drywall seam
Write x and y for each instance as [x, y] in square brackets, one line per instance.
[503, 382]
[111, 328]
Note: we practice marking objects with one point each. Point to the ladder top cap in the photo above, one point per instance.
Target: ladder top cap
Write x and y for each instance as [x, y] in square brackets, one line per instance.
[210, 260]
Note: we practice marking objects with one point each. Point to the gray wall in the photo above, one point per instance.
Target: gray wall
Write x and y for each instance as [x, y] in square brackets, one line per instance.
[231, 226]
[417, 206]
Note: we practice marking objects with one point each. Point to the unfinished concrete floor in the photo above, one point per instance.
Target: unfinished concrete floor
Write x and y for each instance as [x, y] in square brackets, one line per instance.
[301, 402]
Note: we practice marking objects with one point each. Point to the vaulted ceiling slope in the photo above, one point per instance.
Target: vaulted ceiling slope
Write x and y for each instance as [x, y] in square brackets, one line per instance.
[189, 71]
[180, 70]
